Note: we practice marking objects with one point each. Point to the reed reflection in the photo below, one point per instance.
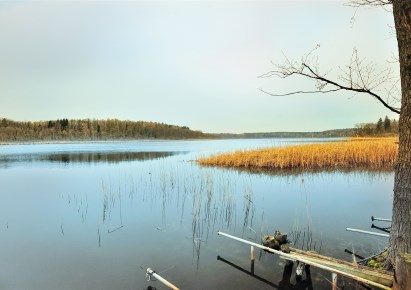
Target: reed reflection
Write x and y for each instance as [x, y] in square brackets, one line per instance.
[203, 200]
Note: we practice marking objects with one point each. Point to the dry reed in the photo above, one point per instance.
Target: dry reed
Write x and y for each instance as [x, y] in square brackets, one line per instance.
[364, 153]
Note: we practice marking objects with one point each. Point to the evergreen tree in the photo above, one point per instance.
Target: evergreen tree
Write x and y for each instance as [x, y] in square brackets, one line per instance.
[379, 125]
[387, 124]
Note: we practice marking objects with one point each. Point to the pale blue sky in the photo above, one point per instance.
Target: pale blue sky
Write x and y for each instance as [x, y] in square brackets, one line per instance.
[193, 63]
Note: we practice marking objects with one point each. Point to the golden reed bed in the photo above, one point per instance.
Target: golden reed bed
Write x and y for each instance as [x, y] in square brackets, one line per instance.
[355, 153]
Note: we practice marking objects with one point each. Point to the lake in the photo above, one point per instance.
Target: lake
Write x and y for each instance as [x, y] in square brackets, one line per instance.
[94, 215]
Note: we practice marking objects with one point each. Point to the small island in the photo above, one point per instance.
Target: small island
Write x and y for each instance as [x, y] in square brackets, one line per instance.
[354, 153]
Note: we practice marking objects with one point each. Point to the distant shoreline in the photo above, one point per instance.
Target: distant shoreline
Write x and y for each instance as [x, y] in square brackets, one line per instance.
[39, 142]
[119, 140]
[65, 131]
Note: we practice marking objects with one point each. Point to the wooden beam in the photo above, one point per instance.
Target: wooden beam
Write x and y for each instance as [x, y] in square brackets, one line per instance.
[370, 277]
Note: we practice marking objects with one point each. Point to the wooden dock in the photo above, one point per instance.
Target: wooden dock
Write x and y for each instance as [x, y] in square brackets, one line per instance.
[372, 277]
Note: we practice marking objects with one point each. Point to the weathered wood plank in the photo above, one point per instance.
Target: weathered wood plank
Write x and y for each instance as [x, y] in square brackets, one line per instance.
[367, 276]
[385, 277]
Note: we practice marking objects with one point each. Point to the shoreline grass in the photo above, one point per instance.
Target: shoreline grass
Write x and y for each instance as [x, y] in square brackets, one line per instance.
[355, 153]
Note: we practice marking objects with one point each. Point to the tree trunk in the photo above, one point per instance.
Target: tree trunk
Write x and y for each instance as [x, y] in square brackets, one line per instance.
[403, 272]
[400, 240]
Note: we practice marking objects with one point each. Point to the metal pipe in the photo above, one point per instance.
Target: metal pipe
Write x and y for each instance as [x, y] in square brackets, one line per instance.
[252, 244]
[386, 230]
[363, 261]
[307, 261]
[380, 219]
[151, 273]
[368, 233]
[352, 253]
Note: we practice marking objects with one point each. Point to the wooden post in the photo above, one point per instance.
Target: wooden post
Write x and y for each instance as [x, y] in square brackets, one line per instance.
[334, 280]
[300, 268]
[252, 259]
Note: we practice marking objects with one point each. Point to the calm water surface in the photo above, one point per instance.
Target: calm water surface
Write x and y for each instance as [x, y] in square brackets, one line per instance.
[90, 216]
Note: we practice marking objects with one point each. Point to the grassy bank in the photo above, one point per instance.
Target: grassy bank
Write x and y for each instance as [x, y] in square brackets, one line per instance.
[355, 153]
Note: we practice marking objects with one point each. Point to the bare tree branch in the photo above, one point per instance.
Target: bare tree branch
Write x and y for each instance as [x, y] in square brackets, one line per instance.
[298, 92]
[372, 3]
[357, 77]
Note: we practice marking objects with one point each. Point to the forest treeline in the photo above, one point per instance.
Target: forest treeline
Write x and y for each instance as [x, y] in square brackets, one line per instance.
[381, 127]
[91, 130]
[321, 134]
[113, 129]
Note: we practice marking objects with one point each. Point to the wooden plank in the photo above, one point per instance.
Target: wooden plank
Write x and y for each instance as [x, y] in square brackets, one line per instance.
[380, 276]
[369, 277]
[319, 256]
[352, 270]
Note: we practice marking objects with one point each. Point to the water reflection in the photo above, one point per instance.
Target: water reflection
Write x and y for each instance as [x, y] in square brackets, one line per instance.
[287, 172]
[84, 157]
[167, 211]
[108, 157]
[250, 273]
[249, 210]
[285, 283]
[209, 196]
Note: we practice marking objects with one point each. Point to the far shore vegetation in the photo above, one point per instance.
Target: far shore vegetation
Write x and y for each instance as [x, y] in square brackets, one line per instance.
[91, 130]
[65, 130]
[382, 127]
[372, 153]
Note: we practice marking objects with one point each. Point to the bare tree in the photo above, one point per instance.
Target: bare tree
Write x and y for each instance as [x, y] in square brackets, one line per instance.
[359, 77]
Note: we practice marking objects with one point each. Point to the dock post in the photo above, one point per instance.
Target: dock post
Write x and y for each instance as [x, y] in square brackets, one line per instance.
[334, 280]
[252, 256]
[299, 269]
